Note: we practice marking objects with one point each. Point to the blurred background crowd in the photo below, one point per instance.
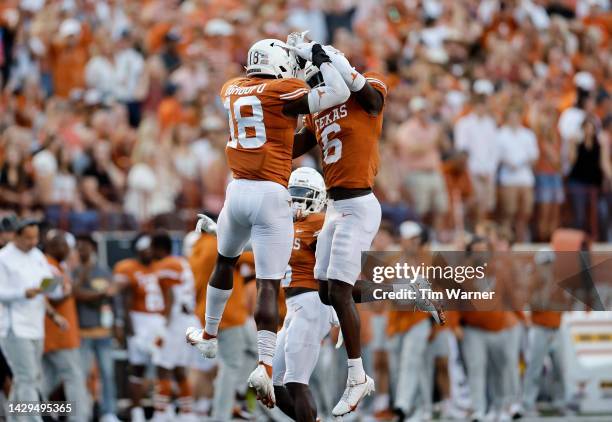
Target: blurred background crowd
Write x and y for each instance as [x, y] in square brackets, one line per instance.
[498, 122]
[110, 119]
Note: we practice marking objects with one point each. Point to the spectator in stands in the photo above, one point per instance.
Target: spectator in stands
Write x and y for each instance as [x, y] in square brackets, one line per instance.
[518, 151]
[548, 176]
[93, 290]
[587, 158]
[100, 72]
[23, 267]
[102, 181]
[130, 74]
[475, 134]
[61, 358]
[68, 57]
[16, 181]
[419, 142]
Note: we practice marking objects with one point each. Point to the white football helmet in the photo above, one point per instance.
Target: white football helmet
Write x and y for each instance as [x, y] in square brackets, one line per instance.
[307, 190]
[271, 57]
[312, 75]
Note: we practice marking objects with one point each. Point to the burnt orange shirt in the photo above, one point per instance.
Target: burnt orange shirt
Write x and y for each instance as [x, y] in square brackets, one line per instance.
[143, 283]
[202, 260]
[174, 272]
[260, 146]
[402, 321]
[548, 319]
[55, 337]
[348, 136]
[489, 320]
[302, 259]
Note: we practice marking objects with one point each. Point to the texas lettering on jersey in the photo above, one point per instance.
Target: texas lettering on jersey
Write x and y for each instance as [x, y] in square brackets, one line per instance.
[348, 137]
[261, 137]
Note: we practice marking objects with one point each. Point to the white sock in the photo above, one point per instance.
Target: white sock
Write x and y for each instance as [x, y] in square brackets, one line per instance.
[355, 370]
[215, 304]
[266, 345]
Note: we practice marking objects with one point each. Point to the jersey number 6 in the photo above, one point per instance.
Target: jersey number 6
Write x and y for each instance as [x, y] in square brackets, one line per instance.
[240, 123]
[328, 144]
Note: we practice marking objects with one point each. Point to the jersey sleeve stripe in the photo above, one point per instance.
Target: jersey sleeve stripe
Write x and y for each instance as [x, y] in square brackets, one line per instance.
[295, 94]
[175, 275]
[377, 82]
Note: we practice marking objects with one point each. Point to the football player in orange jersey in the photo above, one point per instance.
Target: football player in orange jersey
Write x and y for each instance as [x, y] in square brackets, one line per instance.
[144, 304]
[348, 136]
[308, 321]
[262, 108]
[174, 274]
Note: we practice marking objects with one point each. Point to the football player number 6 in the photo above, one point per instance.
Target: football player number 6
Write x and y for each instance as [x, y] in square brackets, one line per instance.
[335, 145]
[254, 121]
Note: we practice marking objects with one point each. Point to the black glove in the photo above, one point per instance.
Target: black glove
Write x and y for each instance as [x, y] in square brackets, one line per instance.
[319, 56]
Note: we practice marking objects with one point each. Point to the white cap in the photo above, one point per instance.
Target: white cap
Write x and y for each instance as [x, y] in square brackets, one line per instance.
[70, 27]
[410, 229]
[584, 80]
[218, 27]
[418, 104]
[483, 87]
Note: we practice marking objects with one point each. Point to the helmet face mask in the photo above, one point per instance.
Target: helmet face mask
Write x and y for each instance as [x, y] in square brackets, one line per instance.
[307, 191]
[312, 76]
[271, 57]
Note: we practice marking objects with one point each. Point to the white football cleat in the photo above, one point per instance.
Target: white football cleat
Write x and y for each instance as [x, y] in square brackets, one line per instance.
[261, 380]
[195, 337]
[353, 394]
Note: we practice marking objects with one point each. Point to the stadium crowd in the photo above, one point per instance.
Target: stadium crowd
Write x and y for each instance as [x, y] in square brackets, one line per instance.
[498, 110]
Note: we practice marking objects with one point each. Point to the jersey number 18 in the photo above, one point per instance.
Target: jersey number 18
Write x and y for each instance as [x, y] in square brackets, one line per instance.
[239, 123]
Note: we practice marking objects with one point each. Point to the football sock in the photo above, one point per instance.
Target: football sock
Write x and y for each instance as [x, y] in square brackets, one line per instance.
[355, 370]
[266, 344]
[215, 304]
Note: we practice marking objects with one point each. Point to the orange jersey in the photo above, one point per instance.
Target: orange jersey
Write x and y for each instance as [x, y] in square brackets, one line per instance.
[401, 321]
[261, 136]
[348, 136]
[143, 283]
[302, 259]
[174, 272]
[202, 261]
[55, 337]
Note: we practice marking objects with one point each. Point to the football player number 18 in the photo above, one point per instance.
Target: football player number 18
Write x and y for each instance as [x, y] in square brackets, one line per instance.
[239, 123]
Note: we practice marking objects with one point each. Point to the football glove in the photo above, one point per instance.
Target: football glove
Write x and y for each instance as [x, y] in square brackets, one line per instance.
[205, 224]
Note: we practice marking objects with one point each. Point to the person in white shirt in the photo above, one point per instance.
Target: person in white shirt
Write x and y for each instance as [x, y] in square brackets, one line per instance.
[22, 268]
[475, 134]
[131, 83]
[518, 151]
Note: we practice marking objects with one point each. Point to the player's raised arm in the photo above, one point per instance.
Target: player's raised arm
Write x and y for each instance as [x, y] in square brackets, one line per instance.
[368, 97]
[333, 93]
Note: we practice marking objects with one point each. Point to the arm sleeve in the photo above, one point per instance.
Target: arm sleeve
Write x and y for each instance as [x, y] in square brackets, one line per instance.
[353, 79]
[333, 93]
[9, 292]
